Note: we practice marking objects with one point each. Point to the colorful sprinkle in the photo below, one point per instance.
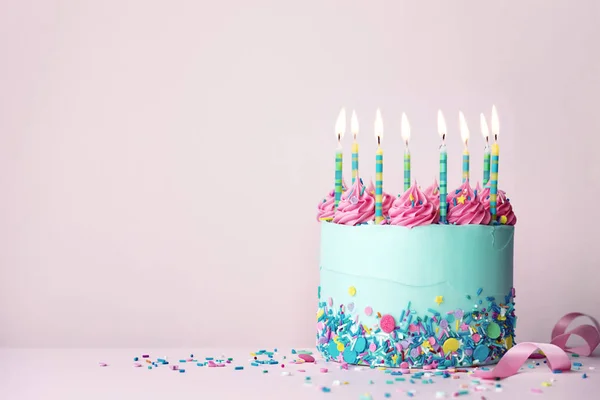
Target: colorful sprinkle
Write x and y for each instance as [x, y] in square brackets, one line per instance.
[352, 291]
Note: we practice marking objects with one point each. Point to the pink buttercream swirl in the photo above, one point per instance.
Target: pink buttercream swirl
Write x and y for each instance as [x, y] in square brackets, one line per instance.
[433, 193]
[466, 208]
[386, 199]
[355, 207]
[326, 209]
[413, 208]
[503, 206]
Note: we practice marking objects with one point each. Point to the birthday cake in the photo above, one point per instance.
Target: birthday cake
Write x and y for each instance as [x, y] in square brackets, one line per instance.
[421, 280]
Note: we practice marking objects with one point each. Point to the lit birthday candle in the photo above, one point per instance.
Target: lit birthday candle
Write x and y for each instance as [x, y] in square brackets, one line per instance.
[495, 158]
[340, 129]
[486, 151]
[354, 129]
[378, 169]
[443, 168]
[464, 134]
[406, 137]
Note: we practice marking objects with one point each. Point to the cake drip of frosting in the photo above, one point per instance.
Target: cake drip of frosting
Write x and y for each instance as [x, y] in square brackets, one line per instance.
[325, 209]
[504, 211]
[433, 193]
[386, 201]
[356, 206]
[466, 208]
[413, 208]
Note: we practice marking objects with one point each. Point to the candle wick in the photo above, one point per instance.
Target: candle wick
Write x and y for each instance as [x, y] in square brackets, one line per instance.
[495, 138]
[378, 140]
[443, 137]
[339, 137]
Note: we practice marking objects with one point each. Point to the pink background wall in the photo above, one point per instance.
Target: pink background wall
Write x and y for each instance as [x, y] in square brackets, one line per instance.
[160, 162]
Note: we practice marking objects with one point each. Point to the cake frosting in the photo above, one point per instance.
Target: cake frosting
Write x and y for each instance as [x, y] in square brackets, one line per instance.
[433, 192]
[386, 199]
[465, 208]
[326, 207]
[413, 208]
[356, 206]
[504, 210]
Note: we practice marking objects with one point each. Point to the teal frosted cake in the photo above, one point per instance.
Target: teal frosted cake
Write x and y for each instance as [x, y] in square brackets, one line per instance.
[422, 286]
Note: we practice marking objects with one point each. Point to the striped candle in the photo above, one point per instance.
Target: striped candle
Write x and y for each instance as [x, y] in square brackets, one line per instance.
[338, 175]
[354, 160]
[495, 159]
[379, 185]
[354, 130]
[494, 180]
[378, 169]
[340, 129]
[486, 151]
[443, 183]
[443, 168]
[465, 166]
[464, 134]
[406, 169]
[486, 165]
[405, 130]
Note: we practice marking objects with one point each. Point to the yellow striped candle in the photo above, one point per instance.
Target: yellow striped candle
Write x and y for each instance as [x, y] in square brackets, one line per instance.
[406, 137]
[495, 160]
[464, 134]
[354, 129]
[340, 128]
[378, 169]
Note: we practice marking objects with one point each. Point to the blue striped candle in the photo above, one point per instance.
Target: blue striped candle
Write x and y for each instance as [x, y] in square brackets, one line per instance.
[378, 186]
[486, 165]
[354, 160]
[443, 183]
[338, 176]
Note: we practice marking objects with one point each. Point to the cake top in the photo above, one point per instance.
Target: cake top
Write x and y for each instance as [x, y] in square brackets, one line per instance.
[413, 207]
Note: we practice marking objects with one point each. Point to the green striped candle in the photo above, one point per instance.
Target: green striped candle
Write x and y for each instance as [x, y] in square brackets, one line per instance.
[486, 151]
[378, 169]
[464, 134]
[340, 128]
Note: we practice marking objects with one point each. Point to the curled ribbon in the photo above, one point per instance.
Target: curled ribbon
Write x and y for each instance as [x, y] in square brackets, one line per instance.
[555, 351]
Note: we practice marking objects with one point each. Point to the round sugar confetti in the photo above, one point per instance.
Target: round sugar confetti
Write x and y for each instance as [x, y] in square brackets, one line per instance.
[368, 311]
[306, 357]
[360, 345]
[333, 350]
[481, 353]
[372, 347]
[493, 330]
[352, 291]
[476, 337]
[353, 200]
[350, 356]
[387, 323]
[450, 345]
[350, 306]
[503, 219]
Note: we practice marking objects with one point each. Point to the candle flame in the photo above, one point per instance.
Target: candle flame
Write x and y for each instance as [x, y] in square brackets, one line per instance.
[441, 124]
[340, 124]
[405, 129]
[378, 125]
[495, 123]
[464, 129]
[354, 124]
[484, 128]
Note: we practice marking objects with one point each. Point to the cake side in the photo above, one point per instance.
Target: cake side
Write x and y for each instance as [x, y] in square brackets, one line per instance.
[431, 296]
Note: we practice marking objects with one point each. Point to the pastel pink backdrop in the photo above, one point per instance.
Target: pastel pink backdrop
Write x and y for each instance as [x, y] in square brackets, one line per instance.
[160, 162]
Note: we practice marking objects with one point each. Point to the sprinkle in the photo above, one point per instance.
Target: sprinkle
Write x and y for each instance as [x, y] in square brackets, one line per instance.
[135, 359]
[181, 371]
[103, 364]
[325, 389]
[536, 390]
[440, 395]
[352, 291]
[323, 370]
[137, 365]
[479, 291]
[239, 368]
[577, 364]
[286, 373]
[145, 355]
[584, 376]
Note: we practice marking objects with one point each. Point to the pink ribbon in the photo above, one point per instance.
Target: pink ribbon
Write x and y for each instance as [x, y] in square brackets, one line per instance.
[555, 351]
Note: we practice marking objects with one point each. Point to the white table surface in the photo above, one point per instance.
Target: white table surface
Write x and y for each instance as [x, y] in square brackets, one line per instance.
[76, 374]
